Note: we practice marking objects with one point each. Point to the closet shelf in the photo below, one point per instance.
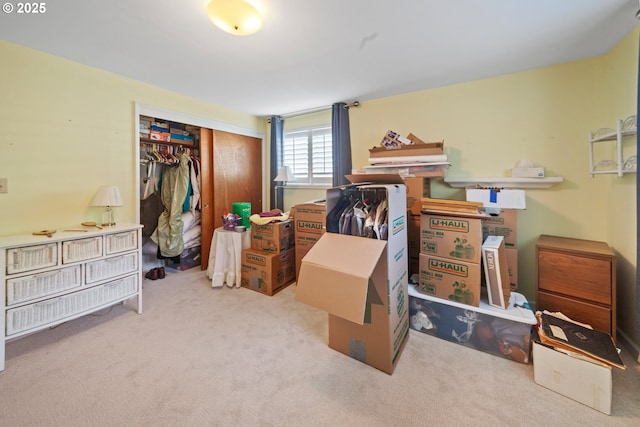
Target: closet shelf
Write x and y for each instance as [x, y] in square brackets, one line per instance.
[155, 141]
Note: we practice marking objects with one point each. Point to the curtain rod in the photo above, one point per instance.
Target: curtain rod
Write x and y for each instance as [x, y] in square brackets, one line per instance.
[316, 110]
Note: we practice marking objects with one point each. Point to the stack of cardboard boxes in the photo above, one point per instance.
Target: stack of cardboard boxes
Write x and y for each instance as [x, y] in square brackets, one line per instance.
[310, 225]
[269, 266]
[450, 256]
[417, 189]
[504, 224]
[449, 301]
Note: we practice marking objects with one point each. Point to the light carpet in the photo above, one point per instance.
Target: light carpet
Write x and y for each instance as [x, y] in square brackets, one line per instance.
[203, 356]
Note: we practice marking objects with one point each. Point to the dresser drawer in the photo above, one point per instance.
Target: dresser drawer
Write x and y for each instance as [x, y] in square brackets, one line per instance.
[30, 258]
[581, 277]
[26, 288]
[35, 315]
[110, 267]
[121, 242]
[81, 249]
[597, 316]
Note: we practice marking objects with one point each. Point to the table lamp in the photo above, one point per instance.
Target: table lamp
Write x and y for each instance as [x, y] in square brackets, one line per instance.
[107, 196]
[284, 175]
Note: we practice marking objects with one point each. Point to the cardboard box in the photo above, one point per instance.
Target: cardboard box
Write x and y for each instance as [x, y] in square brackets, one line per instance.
[413, 235]
[450, 279]
[496, 270]
[159, 136]
[505, 333]
[503, 224]
[368, 314]
[310, 224]
[527, 172]
[414, 265]
[393, 139]
[492, 198]
[458, 237]
[587, 382]
[362, 282]
[415, 149]
[273, 237]
[512, 262]
[267, 272]
[417, 189]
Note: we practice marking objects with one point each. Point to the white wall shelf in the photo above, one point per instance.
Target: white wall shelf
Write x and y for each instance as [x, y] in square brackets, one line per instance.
[620, 166]
[505, 182]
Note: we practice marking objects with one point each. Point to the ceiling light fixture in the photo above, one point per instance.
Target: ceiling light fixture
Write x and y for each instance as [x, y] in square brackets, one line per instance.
[236, 17]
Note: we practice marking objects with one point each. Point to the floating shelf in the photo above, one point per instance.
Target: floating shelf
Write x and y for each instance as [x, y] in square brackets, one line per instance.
[507, 182]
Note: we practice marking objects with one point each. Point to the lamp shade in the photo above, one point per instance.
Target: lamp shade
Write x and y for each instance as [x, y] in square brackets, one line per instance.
[284, 174]
[107, 195]
[234, 16]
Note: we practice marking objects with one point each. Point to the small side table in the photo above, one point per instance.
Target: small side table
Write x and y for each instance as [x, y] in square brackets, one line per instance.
[225, 256]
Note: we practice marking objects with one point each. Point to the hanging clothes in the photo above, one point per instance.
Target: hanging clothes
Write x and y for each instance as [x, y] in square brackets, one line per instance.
[175, 184]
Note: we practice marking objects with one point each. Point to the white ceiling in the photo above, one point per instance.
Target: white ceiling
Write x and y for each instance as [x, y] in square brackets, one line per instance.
[312, 53]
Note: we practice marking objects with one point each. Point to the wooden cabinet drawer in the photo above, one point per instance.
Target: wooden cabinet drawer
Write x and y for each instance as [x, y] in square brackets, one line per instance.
[110, 267]
[81, 249]
[30, 258]
[597, 316]
[582, 277]
[26, 288]
[121, 242]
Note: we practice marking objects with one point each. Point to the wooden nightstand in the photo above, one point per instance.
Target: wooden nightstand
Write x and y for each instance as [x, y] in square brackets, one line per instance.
[578, 278]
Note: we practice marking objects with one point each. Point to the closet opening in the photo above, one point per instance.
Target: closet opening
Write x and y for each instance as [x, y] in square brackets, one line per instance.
[170, 195]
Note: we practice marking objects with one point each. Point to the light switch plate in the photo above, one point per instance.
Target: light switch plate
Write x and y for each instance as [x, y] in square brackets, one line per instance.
[3, 186]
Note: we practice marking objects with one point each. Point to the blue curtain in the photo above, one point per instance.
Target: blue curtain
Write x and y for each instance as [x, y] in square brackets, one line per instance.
[341, 136]
[277, 137]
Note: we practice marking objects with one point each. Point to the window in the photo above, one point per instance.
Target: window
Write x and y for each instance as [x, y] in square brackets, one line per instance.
[307, 151]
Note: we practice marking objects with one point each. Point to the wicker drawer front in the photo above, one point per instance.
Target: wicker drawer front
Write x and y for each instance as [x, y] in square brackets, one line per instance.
[57, 309]
[31, 258]
[81, 249]
[121, 242]
[110, 267]
[26, 288]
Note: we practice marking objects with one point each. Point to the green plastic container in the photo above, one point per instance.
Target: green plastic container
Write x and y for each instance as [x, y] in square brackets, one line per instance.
[243, 209]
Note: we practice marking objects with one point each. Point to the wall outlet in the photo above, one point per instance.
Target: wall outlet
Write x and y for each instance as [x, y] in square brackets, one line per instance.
[3, 186]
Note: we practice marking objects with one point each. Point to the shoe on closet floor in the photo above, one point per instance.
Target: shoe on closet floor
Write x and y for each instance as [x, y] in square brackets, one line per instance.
[152, 274]
[161, 273]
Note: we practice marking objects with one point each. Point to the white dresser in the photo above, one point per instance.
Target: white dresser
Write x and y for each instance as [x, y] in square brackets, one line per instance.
[50, 280]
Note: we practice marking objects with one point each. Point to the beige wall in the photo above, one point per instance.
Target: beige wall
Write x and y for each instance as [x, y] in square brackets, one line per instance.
[67, 129]
[620, 75]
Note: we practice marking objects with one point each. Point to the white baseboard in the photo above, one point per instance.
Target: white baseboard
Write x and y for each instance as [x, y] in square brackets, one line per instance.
[630, 344]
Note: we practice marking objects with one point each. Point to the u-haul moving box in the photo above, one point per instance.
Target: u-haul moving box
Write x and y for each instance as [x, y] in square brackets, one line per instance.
[452, 236]
[267, 272]
[272, 237]
[362, 282]
[309, 220]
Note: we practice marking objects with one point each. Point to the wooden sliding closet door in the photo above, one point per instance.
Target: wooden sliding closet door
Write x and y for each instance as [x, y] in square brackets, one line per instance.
[206, 194]
[231, 172]
[237, 171]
